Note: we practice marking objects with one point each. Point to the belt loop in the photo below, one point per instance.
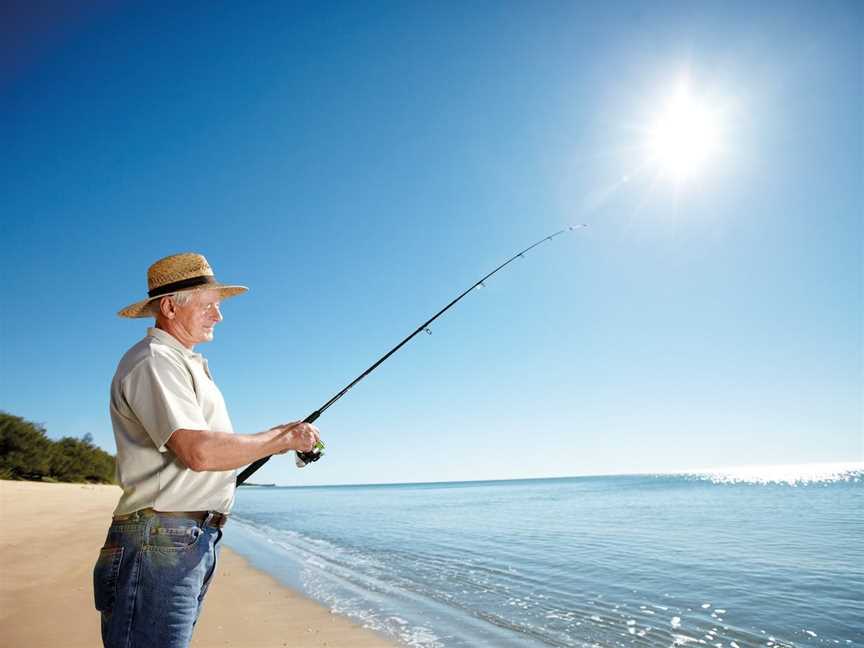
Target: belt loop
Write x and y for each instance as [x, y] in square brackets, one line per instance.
[147, 524]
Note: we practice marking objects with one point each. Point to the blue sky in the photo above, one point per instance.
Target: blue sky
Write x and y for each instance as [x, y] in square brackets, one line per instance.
[358, 166]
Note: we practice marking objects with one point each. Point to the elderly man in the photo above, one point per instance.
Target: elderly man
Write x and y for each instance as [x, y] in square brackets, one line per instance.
[176, 460]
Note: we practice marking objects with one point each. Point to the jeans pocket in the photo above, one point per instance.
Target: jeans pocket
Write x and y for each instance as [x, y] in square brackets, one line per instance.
[105, 576]
[173, 538]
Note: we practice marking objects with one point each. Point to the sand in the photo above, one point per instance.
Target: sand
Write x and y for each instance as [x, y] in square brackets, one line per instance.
[50, 535]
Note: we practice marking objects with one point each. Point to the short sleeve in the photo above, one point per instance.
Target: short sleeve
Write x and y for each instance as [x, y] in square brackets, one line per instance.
[160, 393]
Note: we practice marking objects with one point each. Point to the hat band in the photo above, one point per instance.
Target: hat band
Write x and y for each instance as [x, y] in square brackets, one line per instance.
[180, 285]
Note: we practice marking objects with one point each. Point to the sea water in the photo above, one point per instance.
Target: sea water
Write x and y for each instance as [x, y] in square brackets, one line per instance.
[725, 559]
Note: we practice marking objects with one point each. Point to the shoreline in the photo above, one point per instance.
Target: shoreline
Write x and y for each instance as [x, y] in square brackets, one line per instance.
[50, 535]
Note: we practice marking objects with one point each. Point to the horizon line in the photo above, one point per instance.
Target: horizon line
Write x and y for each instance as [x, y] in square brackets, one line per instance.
[836, 466]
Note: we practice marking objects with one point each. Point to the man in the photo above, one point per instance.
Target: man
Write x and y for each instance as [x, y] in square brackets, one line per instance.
[176, 461]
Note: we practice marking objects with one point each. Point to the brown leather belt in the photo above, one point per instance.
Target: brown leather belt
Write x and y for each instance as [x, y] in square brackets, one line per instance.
[204, 518]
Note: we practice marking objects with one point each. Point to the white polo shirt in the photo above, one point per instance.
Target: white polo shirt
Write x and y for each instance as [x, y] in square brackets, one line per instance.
[161, 386]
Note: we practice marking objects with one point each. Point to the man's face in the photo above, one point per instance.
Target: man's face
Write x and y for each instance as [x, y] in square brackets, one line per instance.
[194, 322]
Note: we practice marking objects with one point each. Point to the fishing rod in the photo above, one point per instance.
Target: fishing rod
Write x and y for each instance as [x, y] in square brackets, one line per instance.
[304, 458]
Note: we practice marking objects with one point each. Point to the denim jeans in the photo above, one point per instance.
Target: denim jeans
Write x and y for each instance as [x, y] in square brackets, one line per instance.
[151, 577]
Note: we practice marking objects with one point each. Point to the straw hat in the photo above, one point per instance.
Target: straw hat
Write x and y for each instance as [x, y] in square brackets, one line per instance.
[176, 273]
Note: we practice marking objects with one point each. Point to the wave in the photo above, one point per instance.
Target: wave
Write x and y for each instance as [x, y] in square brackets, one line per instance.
[476, 604]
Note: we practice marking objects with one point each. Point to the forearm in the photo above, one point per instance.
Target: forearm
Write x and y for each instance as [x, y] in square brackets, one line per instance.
[203, 450]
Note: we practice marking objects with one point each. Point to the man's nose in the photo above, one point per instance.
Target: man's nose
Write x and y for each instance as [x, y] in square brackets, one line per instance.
[216, 315]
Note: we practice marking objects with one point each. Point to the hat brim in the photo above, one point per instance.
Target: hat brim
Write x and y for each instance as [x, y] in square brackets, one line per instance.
[139, 309]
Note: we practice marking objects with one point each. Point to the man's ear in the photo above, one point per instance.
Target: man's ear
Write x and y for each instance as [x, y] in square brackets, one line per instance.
[166, 307]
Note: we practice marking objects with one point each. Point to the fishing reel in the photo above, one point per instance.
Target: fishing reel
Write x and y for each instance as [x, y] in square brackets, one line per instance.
[304, 458]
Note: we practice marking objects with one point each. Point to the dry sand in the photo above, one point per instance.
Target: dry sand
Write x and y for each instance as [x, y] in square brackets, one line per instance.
[50, 535]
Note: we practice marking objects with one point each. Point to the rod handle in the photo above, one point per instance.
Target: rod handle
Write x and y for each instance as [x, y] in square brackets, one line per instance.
[251, 468]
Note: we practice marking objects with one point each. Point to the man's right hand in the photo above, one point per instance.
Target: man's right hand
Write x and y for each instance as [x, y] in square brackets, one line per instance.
[298, 436]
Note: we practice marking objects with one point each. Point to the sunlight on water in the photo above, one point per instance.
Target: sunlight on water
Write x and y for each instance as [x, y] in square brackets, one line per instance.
[792, 474]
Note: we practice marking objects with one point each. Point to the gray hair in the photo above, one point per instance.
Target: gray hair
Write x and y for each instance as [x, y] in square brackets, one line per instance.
[183, 298]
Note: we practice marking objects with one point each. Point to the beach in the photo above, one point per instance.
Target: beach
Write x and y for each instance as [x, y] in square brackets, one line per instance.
[659, 560]
[50, 535]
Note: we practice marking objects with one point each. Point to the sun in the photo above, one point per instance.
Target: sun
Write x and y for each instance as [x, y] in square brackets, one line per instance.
[684, 135]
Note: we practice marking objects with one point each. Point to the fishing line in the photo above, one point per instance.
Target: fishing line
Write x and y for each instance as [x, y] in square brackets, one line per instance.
[304, 458]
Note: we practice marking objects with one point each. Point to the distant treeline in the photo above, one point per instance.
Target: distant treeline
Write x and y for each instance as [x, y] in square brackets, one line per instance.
[26, 453]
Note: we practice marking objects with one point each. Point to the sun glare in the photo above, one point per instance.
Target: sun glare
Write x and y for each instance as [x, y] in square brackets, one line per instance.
[684, 135]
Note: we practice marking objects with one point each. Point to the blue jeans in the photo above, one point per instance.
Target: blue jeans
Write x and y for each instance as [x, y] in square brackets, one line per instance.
[151, 577]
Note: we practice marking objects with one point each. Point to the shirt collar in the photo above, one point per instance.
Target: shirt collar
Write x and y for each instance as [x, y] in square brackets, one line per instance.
[170, 340]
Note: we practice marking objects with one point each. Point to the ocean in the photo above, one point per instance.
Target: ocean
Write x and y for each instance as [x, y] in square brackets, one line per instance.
[754, 557]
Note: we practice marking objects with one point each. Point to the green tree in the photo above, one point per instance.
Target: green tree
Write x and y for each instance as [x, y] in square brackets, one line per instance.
[78, 460]
[25, 451]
